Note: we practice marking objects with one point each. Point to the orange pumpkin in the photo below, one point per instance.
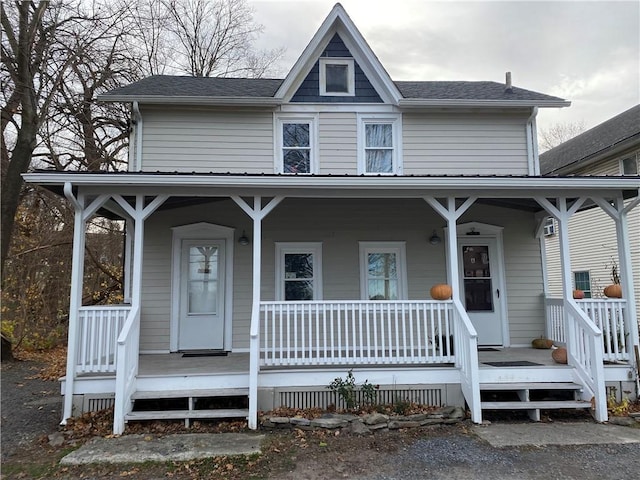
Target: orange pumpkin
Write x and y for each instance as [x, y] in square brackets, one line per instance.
[559, 355]
[441, 291]
[578, 294]
[613, 291]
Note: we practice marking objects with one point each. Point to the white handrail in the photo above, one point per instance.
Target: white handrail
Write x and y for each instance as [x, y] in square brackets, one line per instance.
[98, 330]
[466, 348]
[355, 332]
[609, 315]
[127, 368]
[585, 355]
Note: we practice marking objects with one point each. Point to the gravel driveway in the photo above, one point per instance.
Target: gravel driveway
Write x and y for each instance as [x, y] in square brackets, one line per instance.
[30, 407]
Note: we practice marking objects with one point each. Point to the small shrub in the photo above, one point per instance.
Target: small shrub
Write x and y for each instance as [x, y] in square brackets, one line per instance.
[350, 392]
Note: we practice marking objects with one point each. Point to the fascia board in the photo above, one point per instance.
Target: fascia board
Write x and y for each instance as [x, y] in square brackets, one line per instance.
[193, 100]
[421, 103]
[564, 185]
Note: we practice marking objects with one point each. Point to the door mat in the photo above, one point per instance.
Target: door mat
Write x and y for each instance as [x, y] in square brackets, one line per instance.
[205, 353]
[521, 363]
[488, 349]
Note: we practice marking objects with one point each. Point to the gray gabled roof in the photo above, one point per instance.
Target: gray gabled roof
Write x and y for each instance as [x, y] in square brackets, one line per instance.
[623, 129]
[165, 86]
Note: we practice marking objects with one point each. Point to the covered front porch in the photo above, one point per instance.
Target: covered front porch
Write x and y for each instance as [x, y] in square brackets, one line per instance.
[421, 341]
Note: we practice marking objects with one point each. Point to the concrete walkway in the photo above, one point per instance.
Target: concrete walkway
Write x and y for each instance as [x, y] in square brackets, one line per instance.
[183, 447]
[540, 434]
[148, 448]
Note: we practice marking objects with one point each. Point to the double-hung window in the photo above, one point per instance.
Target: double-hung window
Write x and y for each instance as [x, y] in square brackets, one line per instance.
[299, 271]
[379, 145]
[582, 281]
[296, 145]
[383, 271]
[629, 165]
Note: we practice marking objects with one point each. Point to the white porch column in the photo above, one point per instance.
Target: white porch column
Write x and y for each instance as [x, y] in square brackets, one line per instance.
[257, 214]
[82, 213]
[618, 212]
[466, 351]
[128, 251]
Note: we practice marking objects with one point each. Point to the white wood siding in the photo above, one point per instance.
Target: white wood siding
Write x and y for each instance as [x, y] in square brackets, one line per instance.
[180, 140]
[340, 224]
[338, 146]
[440, 144]
[242, 141]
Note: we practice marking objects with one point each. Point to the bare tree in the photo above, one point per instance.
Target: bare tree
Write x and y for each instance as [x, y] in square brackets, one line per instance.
[559, 133]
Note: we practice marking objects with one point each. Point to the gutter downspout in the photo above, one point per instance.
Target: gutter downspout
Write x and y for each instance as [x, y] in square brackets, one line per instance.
[137, 121]
[532, 146]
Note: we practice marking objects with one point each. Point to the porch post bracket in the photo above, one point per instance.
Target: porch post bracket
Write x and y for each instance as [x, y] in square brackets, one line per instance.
[450, 210]
[94, 206]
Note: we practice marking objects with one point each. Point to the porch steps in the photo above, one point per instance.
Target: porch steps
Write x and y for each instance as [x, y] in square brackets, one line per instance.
[175, 401]
[530, 396]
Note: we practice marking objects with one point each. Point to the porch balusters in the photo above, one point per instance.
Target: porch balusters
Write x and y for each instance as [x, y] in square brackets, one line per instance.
[355, 332]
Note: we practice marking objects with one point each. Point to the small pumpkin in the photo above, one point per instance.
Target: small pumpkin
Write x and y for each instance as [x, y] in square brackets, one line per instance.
[559, 355]
[441, 291]
[542, 343]
[613, 291]
[578, 294]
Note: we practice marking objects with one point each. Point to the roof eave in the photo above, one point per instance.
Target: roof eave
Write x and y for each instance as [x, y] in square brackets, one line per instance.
[193, 100]
[337, 182]
[456, 102]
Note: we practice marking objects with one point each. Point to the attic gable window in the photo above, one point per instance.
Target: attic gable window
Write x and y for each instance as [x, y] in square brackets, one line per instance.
[337, 77]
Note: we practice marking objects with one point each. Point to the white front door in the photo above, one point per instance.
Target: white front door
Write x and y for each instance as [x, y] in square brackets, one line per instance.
[480, 280]
[202, 296]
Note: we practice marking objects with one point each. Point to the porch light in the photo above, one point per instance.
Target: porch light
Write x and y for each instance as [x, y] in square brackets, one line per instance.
[434, 239]
[243, 240]
[472, 231]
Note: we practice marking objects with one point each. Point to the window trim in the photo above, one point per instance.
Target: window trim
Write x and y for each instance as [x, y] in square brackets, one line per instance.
[351, 80]
[312, 121]
[314, 248]
[396, 131]
[633, 156]
[399, 248]
[587, 293]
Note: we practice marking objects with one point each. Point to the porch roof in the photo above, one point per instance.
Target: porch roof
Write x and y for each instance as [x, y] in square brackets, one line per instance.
[508, 191]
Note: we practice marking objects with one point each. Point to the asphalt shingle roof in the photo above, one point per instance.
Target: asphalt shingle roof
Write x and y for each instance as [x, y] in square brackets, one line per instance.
[177, 86]
[597, 140]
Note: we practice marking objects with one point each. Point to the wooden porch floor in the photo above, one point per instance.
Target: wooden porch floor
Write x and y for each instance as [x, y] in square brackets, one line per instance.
[174, 364]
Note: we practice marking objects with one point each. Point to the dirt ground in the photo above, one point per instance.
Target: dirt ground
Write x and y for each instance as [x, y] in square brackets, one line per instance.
[31, 411]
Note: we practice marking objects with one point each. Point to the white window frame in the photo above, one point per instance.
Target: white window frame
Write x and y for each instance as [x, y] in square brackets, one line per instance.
[351, 77]
[633, 156]
[396, 128]
[315, 249]
[588, 293]
[312, 121]
[399, 248]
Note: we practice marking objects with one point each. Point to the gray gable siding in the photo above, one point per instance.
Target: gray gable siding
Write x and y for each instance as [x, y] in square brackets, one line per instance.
[309, 90]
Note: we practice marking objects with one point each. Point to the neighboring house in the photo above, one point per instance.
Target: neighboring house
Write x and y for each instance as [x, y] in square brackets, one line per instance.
[298, 225]
[611, 148]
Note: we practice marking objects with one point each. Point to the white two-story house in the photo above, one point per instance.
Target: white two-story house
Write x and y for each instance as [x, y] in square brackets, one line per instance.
[283, 232]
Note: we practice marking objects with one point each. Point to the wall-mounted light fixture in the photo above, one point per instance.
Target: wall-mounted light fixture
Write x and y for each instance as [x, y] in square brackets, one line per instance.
[434, 239]
[243, 240]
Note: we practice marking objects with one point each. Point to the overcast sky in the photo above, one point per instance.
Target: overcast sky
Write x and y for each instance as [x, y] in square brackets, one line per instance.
[584, 51]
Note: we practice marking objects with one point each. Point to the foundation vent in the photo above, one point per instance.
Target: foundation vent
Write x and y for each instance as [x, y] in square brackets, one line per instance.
[94, 404]
[324, 398]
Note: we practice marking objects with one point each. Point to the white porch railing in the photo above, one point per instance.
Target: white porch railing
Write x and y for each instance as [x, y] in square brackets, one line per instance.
[466, 348]
[609, 315]
[584, 354]
[355, 332]
[98, 330]
[127, 362]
